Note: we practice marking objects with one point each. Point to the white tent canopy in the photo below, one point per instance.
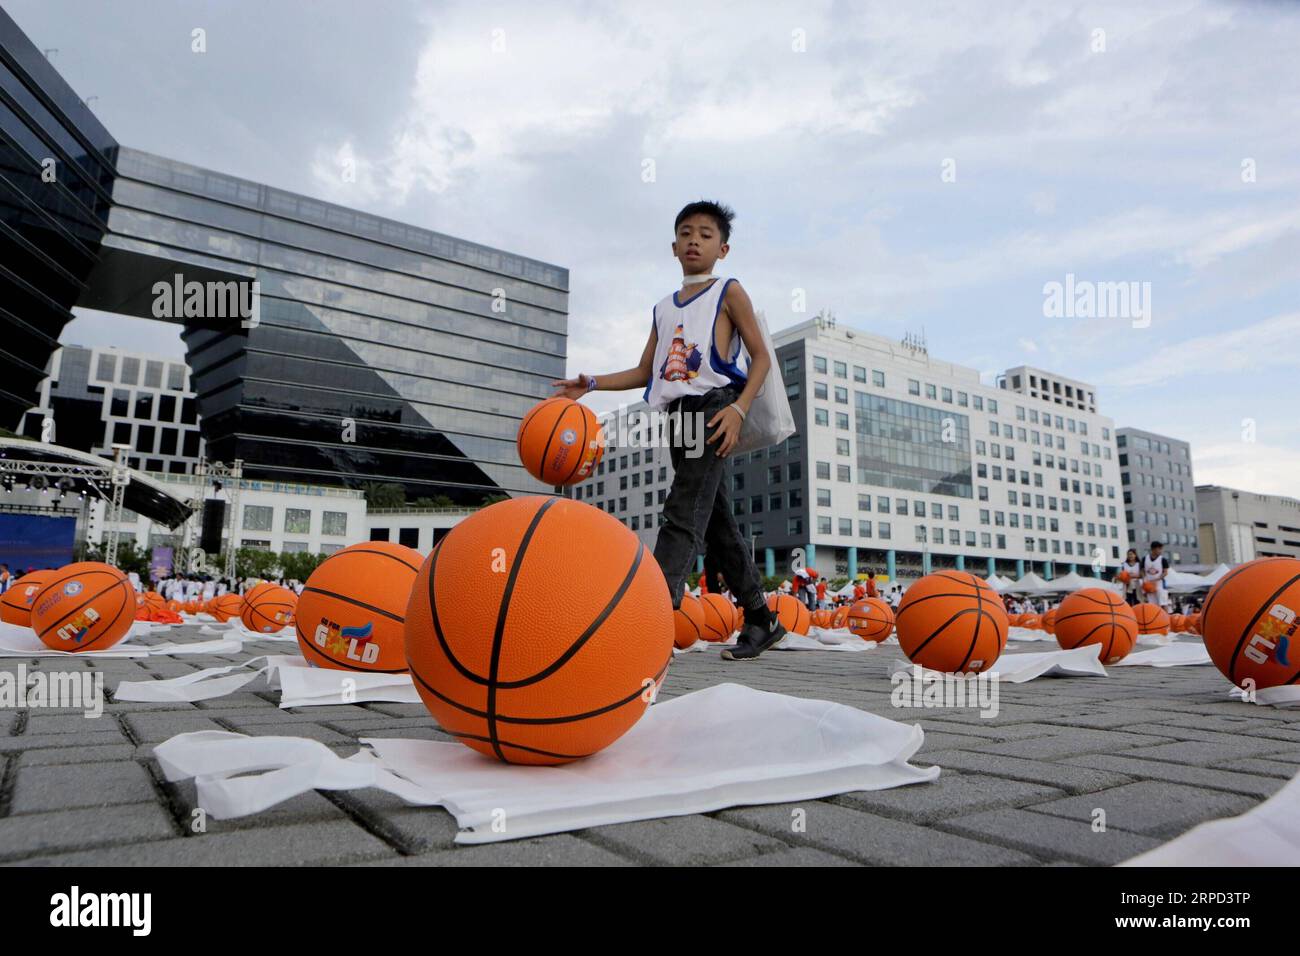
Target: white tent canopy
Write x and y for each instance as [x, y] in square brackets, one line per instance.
[1213, 576]
[1031, 583]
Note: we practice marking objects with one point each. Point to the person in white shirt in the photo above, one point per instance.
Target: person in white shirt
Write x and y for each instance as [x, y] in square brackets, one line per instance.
[1133, 568]
[1155, 568]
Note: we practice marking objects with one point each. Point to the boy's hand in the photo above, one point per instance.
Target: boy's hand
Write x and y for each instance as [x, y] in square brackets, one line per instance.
[728, 431]
[575, 387]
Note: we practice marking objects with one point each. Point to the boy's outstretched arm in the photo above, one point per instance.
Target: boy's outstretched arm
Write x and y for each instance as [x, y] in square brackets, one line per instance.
[636, 377]
[728, 421]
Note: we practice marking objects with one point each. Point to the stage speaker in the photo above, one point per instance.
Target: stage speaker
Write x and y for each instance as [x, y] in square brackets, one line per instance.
[214, 520]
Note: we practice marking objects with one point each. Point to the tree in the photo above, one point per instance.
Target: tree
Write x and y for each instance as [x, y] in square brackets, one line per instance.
[387, 494]
[298, 565]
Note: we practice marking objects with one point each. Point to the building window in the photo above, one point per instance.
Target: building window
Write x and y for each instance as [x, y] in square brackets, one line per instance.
[884, 529]
[297, 521]
[877, 378]
[257, 518]
[334, 522]
[819, 364]
[821, 416]
[820, 391]
[106, 367]
[823, 497]
[824, 470]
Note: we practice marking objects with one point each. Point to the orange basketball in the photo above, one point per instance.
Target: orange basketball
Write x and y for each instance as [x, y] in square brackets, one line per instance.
[268, 609]
[719, 616]
[351, 614]
[1177, 623]
[1152, 619]
[225, 606]
[87, 606]
[952, 621]
[1031, 621]
[152, 599]
[257, 589]
[841, 616]
[16, 603]
[1097, 616]
[871, 619]
[738, 617]
[821, 618]
[1149, 587]
[1249, 622]
[527, 661]
[1049, 621]
[559, 441]
[1125, 577]
[688, 622]
[1194, 623]
[791, 612]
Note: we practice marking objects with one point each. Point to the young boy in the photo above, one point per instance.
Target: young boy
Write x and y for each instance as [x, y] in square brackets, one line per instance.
[688, 367]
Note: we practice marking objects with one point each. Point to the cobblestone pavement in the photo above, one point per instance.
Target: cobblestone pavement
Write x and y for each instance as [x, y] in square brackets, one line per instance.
[1160, 750]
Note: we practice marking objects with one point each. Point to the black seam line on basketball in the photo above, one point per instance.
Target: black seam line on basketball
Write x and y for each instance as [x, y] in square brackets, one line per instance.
[546, 451]
[305, 644]
[437, 623]
[354, 602]
[984, 599]
[698, 635]
[942, 627]
[1216, 591]
[382, 554]
[79, 606]
[513, 746]
[708, 606]
[582, 450]
[537, 721]
[85, 647]
[503, 608]
[519, 434]
[975, 638]
[586, 635]
[1267, 604]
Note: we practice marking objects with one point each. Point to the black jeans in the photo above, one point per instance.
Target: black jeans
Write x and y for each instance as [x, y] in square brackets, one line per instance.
[697, 514]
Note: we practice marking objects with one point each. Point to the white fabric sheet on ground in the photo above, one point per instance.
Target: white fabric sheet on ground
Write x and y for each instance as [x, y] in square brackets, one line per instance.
[300, 684]
[1028, 634]
[817, 639]
[760, 748]
[1288, 695]
[1019, 668]
[19, 641]
[1175, 654]
[1267, 835]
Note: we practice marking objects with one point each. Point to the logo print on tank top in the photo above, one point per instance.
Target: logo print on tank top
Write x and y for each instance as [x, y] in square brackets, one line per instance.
[682, 361]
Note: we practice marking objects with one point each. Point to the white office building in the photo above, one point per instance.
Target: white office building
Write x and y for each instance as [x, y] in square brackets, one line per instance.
[903, 463]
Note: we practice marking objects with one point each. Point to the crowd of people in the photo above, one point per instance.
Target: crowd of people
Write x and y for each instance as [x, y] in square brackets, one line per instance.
[186, 587]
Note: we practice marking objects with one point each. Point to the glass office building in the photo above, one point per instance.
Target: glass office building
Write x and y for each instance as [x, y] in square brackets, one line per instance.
[377, 351]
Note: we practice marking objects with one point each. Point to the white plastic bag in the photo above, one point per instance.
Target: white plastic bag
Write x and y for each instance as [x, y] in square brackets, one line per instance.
[769, 421]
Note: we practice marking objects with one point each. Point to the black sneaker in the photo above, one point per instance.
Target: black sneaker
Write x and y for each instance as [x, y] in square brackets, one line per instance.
[754, 640]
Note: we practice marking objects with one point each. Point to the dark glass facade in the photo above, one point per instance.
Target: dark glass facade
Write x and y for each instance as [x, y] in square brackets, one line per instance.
[912, 447]
[56, 180]
[381, 351]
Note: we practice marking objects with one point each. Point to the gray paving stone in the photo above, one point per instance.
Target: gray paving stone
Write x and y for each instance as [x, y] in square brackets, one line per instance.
[1253, 785]
[798, 856]
[306, 844]
[155, 728]
[1203, 753]
[40, 723]
[688, 841]
[104, 733]
[26, 834]
[1154, 808]
[67, 787]
[868, 838]
[1269, 768]
[1071, 779]
[1048, 837]
[97, 753]
[952, 794]
[1072, 742]
[560, 849]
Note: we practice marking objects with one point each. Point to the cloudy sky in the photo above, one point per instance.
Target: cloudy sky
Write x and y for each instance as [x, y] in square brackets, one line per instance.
[920, 165]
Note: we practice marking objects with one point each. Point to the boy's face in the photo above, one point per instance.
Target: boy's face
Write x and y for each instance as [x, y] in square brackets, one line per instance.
[698, 244]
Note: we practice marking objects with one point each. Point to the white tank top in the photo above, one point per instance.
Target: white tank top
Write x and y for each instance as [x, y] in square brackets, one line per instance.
[685, 360]
[1134, 572]
[1151, 570]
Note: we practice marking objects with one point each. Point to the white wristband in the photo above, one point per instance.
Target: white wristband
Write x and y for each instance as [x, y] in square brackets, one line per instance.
[743, 416]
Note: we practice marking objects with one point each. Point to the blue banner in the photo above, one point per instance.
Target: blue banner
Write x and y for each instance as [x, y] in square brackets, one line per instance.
[34, 542]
